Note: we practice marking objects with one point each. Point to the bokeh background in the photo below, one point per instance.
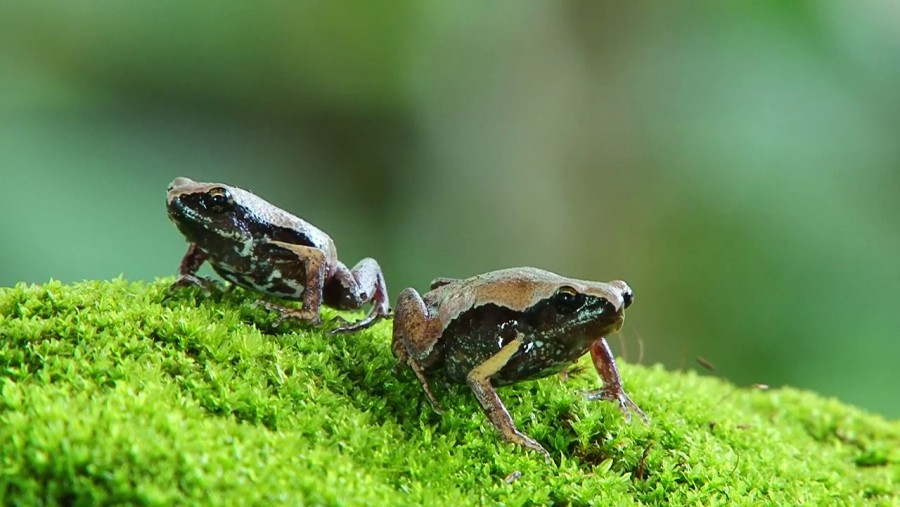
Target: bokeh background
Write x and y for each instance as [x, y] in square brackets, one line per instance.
[738, 164]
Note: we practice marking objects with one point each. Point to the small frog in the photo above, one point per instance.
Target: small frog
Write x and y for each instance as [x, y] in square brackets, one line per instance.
[507, 326]
[259, 246]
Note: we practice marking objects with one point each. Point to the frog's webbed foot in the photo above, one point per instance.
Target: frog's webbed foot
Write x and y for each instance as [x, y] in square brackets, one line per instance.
[308, 317]
[617, 395]
[340, 321]
[345, 326]
[205, 285]
[187, 272]
[612, 390]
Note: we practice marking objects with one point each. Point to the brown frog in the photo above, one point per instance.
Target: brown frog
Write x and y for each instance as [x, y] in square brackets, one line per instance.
[507, 326]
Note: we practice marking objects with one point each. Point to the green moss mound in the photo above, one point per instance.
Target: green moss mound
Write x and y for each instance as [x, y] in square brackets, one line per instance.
[109, 393]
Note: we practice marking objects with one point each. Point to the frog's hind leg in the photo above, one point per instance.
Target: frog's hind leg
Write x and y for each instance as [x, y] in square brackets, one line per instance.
[312, 261]
[351, 289]
[413, 342]
[479, 379]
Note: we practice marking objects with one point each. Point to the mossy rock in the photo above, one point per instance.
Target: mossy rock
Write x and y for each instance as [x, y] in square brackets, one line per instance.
[113, 394]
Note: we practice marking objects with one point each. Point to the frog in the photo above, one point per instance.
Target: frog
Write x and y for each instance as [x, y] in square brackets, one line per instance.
[508, 326]
[258, 246]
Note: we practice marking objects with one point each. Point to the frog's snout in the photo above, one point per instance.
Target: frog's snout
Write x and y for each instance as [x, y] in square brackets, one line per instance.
[627, 296]
[179, 186]
[180, 182]
[624, 291]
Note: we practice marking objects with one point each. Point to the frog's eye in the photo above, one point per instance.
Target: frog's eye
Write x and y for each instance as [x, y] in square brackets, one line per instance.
[218, 199]
[567, 300]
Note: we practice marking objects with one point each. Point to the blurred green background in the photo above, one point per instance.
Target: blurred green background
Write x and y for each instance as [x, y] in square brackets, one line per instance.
[738, 164]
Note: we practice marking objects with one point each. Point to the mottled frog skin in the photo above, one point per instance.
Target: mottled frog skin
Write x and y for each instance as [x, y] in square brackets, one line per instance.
[254, 244]
[554, 334]
[508, 326]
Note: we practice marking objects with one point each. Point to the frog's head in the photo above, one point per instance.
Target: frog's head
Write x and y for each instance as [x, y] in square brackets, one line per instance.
[554, 306]
[208, 213]
[579, 310]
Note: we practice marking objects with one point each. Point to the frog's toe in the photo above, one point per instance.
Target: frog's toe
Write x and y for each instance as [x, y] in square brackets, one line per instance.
[312, 322]
[547, 458]
[343, 325]
[347, 326]
[617, 396]
[629, 406]
[599, 394]
[527, 442]
[340, 321]
[204, 284]
[285, 313]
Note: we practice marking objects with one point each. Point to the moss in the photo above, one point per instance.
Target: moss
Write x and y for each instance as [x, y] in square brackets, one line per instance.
[111, 394]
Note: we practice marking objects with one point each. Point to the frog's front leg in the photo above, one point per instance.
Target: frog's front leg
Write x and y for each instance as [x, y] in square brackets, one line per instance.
[612, 389]
[187, 270]
[351, 289]
[479, 379]
[312, 261]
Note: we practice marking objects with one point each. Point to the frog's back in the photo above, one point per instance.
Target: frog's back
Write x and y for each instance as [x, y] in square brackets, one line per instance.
[514, 288]
[278, 224]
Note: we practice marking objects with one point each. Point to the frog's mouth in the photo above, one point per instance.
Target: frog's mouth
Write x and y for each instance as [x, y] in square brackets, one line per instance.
[588, 329]
[616, 326]
[601, 327]
[193, 225]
